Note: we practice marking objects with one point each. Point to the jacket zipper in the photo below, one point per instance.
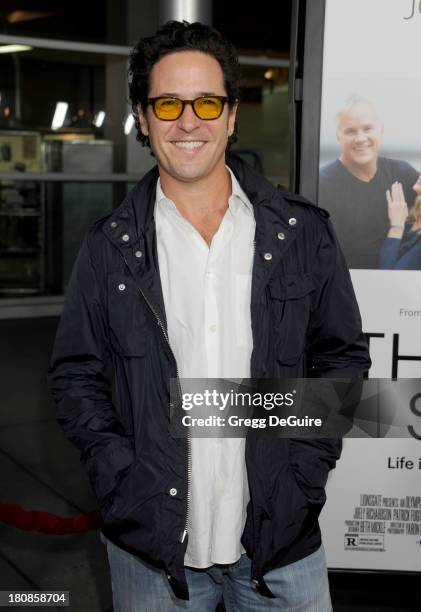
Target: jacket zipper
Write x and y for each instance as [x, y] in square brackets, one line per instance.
[189, 469]
[189, 462]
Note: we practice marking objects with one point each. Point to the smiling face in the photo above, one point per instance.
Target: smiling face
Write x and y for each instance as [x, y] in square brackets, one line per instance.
[359, 135]
[187, 149]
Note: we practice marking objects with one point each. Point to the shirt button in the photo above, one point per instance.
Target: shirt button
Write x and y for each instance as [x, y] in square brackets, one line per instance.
[173, 492]
[212, 328]
[126, 237]
[292, 221]
[122, 286]
[281, 235]
[138, 253]
[113, 224]
[268, 256]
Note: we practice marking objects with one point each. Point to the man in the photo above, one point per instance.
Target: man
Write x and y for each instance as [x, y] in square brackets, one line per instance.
[205, 270]
[353, 188]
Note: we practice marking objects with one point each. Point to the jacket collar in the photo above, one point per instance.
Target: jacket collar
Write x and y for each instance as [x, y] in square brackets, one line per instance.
[131, 228]
[135, 215]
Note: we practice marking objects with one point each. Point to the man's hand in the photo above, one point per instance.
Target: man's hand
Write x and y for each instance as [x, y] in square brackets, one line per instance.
[397, 210]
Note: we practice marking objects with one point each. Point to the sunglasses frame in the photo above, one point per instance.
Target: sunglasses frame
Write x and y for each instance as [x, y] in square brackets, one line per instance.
[152, 101]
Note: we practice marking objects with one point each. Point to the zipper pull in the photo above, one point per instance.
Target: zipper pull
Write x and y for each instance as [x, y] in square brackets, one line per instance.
[183, 535]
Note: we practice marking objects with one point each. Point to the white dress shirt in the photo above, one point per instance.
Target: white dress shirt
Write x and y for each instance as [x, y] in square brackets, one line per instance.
[207, 293]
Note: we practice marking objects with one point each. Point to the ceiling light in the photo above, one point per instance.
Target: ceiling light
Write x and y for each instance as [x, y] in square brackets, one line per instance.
[268, 74]
[19, 16]
[99, 119]
[128, 124]
[59, 115]
[14, 48]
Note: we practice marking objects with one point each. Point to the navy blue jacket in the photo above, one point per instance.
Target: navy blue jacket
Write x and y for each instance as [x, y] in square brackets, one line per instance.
[404, 254]
[305, 321]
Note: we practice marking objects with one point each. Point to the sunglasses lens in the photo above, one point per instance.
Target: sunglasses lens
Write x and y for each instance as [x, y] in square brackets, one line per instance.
[168, 108]
[208, 108]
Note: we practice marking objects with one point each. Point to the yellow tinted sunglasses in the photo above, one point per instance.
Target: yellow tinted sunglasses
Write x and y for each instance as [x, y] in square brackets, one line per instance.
[204, 107]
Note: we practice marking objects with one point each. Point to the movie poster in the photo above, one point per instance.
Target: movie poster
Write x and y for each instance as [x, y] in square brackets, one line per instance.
[370, 163]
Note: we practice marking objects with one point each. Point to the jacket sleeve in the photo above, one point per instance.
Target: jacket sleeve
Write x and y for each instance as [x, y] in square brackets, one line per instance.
[389, 253]
[79, 384]
[336, 348]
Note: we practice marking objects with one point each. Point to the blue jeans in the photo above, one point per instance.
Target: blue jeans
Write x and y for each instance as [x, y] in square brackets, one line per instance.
[299, 587]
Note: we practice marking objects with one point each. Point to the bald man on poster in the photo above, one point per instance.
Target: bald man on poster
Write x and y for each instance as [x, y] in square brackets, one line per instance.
[353, 187]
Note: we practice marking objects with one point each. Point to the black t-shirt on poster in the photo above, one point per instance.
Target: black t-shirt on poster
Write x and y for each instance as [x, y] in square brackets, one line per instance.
[358, 209]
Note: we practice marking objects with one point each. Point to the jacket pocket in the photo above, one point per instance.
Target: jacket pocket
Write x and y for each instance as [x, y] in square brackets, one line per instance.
[127, 320]
[311, 498]
[137, 487]
[314, 494]
[134, 509]
[291, 307]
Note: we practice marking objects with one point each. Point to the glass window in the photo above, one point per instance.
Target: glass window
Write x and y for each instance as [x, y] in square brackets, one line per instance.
[262, 28]
[262, 121]
[63, 113]
[42, 225]
[33, 82]
[94, 21]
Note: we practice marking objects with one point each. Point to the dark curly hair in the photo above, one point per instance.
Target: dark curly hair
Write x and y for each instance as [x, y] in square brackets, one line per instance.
[177, 36]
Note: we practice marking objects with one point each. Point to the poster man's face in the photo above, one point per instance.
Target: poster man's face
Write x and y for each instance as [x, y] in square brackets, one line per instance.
[359, 135]
[187, 148]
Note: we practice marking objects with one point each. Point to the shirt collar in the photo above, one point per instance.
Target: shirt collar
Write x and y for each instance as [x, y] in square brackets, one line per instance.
[236, 194]
[161, 198]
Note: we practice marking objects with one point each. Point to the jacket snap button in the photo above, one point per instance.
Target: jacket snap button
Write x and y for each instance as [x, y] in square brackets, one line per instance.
[292, 221]
[281, 235]
[122, 286]
[113, 224]
[173, 492]
[268, 256]
[138, 253]
[125, 237]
